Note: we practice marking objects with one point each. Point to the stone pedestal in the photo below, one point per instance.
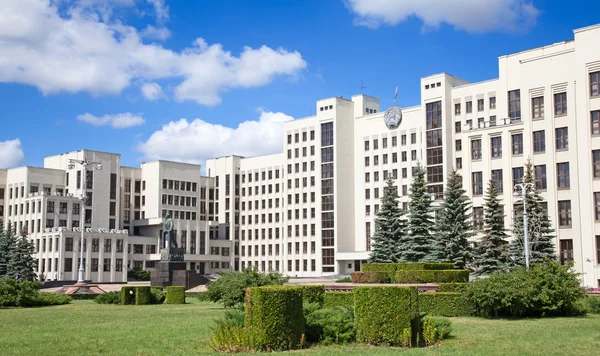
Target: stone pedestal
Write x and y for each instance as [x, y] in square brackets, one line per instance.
[81, 288]
[171, 270]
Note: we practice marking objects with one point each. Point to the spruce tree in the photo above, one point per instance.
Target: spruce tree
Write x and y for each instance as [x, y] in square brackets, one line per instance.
[7, 244]
[390, 227]
[455, 227]
[541, 233]
[20, 262]
[491, 254]
[418, 245]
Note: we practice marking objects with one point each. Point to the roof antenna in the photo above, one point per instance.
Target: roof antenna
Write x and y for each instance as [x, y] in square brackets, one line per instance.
[362, 87]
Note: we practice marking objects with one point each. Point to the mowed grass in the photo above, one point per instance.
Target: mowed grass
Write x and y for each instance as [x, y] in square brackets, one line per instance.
[87, 328]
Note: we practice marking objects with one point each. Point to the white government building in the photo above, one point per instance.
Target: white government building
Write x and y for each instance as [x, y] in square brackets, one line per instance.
[309, 210]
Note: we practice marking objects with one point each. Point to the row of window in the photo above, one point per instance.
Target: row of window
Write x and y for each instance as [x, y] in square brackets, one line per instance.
[177, 200]
[173, 185]
[480, 105]
[297, 152]
[385, 173]
[93, 267]
[384, 142]
[275, 251]
[263, 266]
[24, 208]
[385, 158]
[562, 178]
[304, 135]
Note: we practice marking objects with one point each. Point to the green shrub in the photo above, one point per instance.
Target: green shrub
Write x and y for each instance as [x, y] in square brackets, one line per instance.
[18, 292]
[370, 277]
[143, 295]
[158, 295]
[108, 298]
[444, 304]
[331, 325]
[344, 280]
[381, 314]
[231, 287]
[232, 338]
[451, 287]
[45, 298]
[127, 295]
[547, 289]
[592, 304]
[313, 294]
[175, 295]
[276, 313]
[338, 299]
[139, 274]
[194, 294]
[435, 329]
[431, 276]
[84, 296]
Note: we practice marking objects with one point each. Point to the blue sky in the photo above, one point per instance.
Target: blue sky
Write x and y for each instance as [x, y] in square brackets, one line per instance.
[132, 76]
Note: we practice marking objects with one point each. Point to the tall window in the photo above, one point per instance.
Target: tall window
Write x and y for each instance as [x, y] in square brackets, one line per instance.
[566, 251]
[469, 107]
[476, 149]
[477, 178]
[597, 207]
[562, 138]
[562, 170]
[478, 218]
[595, 121]
[457, 109]
[541, 181]
[514, 105]
[479, 104]
[517, 144]
[539, 141]
[492, 102]
[595, 83]
[517, 175]
[497, 179]
[564, 213]
[560, 104]
[596, 163]
[537, 107]
[497, 146]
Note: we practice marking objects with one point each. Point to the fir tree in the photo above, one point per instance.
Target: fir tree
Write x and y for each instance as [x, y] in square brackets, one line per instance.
[418, 244]
[7, 244]
[20, 260]
[455, 227]
[390, 227]
[541, 233]
[491, 254]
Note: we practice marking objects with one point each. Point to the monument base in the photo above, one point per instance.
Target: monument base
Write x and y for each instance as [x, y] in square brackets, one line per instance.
[169, 273]
[81, 288]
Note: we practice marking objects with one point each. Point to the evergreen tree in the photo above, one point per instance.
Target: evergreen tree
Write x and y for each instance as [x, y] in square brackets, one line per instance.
[491, 254]
[20, 262]
[390, 227]
[541, 233]
[418, 245]
[7, 244]
[455, 227]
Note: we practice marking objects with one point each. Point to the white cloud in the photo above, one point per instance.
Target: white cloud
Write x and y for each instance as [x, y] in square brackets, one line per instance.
[158, 33]
[469, 15]
[152, 91]
[198, 140]
[117, 121]
[11, 154]
[161, 10]
[80, 52]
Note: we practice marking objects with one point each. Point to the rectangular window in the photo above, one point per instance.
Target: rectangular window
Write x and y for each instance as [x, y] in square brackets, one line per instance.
[497, 179]
[537, 108]
[596, 163]
[539, 141]
[492, 102]
[595, 84]
[560, 104]
[457, 109]
[457, 127]
[433, 117]
[564, 213]
[476, 149]
[562, 171]
[458, 145]
[477, 178]
[541, 180]
[479, 104]
[469, 105]
[478, 218]
[595, 122]
[562, 138]
[597, 207]
[566, 251]
[517, 175]
[517, 144]
[514, 105]
[496, 147]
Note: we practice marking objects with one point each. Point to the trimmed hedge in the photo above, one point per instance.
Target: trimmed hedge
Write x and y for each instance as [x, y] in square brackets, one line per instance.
[84, 296]
[451, 287]
[386, 315]
[338, 299]
[313, 294]
[431, 276]
[443, 304]
[276, 314]
[370, 277]
[127, 298]
[175, 295]
[143, 295]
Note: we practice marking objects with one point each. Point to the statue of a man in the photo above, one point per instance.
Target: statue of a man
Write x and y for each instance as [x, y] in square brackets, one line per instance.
[170, 241]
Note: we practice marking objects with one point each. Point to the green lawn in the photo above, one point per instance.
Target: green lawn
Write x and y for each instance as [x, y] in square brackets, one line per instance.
[87, 328]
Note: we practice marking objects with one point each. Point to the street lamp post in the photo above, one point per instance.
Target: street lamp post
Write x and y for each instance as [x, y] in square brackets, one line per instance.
[523, 187]
[84, 165]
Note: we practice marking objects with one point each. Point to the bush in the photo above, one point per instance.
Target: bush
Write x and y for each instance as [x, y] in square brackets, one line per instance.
[394, 267]
[547, 289]
[382, 314]
[331, 325]
[276, 313]
[18, 292]
[108, 298]
[370, 277]
[230, 337]
[175, 295]
[444, 304]
[231, 287]
[452, 287]
[45, 298]
[592, 304]
[338, 299]
[158, 296]
[139, 274]
[431, 276]
[143, 295]
[84, 296]
[344, 280]
[313, 294]
[127, 295]
[435, 329]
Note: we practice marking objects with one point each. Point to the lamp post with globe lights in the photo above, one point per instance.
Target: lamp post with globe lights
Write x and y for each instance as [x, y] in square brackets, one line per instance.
[523, 188]
[84, 163]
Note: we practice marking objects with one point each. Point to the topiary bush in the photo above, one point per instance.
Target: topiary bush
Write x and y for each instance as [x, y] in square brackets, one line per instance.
[175, 295]
[431, 276]
[451, 287]
[328, 326]
[108, 298]
[547, 289]
[444, 304]
[18, 292]
[45, 298]
[313, 294]
[276, 313]
[382, 315]
[127, 295]
[370, 277]
[338, 299]
[143, 295]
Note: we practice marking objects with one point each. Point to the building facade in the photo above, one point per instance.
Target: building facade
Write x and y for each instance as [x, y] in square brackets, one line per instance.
[309, 210]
